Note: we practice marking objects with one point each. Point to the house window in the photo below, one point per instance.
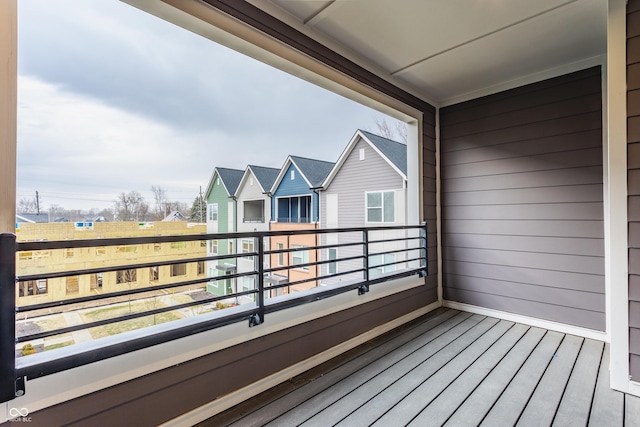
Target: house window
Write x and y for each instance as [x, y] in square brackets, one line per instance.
[178, 270]
[96, 281]
[300, 256]
[126, 249]
[200, 268]
[281, 254]
[213, 273]
[377, 267]
[154, 273]
[293, 174]
[332, 255]
[247, 283]
[248, 245]
[178, 245]
[381, 206]
[129, 275]
[361, 152]
[212, 212]
[101, 251]
[68, 253]
[157, 247]
[213, 247]
[72, 285]
[32, 287]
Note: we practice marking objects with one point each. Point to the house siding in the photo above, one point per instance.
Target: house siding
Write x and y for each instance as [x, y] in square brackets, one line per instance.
[293, 187]
[248, 192]
[633, 179]
[219, 195]
[522, 201]
[355, 178]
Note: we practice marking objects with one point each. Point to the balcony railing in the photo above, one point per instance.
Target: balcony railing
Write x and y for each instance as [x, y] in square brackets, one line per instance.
[294, 220]
[405, 245]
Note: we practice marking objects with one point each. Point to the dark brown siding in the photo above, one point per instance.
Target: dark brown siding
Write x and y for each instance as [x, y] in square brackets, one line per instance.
[429, 195]
[633, 153]
[522, 201]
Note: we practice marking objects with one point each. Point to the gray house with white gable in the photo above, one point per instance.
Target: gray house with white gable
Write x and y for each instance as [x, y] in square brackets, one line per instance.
[366, 187]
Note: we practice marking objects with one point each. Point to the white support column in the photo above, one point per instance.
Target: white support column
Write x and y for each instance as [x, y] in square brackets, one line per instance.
[8, 113]
[615, 196]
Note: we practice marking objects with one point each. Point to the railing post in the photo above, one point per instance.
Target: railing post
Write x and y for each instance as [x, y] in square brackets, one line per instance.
[8, 390]
[424, 235]
[364, 288]
[258, 318]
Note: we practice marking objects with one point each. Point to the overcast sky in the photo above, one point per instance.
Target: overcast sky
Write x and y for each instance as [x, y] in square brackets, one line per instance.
[112, 99]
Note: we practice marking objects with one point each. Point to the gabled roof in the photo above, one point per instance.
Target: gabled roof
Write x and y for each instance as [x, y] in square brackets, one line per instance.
[230, 179]
[393, 152]
[175, 216]
[264, 175]
[313, 171]
[32, 217]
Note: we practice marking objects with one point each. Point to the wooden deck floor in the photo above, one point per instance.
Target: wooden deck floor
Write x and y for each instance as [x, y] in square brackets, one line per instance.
[450, 368]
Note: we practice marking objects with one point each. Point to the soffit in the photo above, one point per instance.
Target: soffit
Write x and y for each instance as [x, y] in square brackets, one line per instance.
[443, 50]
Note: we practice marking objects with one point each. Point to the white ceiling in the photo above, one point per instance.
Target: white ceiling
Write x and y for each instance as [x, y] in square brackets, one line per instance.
[445, 50]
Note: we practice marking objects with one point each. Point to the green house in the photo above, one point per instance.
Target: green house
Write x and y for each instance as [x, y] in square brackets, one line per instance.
[221, 218]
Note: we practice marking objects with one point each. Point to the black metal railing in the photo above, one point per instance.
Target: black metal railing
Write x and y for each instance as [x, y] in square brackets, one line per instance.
[407, 249]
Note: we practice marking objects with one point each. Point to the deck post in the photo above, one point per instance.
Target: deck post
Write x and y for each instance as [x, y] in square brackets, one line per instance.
[7, 316]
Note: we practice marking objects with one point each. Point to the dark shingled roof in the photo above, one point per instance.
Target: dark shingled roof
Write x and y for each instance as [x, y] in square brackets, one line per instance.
[314, 170]
[265, 176]
[396, 152]
[230, 178]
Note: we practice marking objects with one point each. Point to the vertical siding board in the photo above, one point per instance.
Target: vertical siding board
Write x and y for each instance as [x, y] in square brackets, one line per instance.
[529, 158]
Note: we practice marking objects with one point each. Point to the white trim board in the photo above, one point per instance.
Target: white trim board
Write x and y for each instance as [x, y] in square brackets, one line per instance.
[531, 321]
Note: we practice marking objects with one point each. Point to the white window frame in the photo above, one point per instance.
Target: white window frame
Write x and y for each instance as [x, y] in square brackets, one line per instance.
[383, 220]
[281, 255]
[248, 245]
[332, 265]
[301, 251]
[212, 212]
[381, 259]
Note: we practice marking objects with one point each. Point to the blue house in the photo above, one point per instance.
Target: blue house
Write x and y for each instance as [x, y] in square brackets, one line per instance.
[294, 194]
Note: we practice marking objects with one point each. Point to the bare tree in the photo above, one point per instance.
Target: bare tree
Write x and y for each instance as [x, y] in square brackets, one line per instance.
[131, 206]
[397, 134]
[27, 205]
[160, 198]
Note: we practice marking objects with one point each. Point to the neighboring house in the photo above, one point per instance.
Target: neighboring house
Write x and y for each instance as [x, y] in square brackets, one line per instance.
[295, 205]
[253, 214]
[366, 187]
[175, 216]
[31, 218]
[221, 218]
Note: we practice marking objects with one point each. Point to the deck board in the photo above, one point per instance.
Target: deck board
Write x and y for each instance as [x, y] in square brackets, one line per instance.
[443, 406]
[607, 408]
[576, 401]
[473, 410]
[455, 369]
[402, 375]
[414, 402]
[515, 397]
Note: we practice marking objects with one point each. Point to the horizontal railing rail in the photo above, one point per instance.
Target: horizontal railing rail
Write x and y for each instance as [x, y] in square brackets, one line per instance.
[408, 257]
